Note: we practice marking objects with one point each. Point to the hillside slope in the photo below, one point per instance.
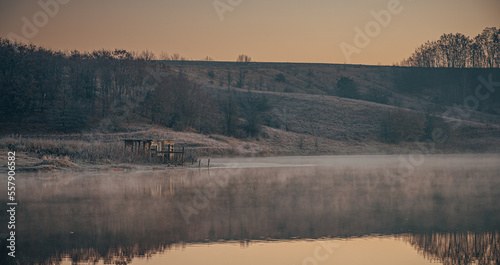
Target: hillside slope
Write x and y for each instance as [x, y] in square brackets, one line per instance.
[305, 118]
[304, 104]
[413, 88]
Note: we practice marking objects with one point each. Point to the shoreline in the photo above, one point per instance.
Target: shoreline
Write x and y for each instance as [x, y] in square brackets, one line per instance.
[234, 162]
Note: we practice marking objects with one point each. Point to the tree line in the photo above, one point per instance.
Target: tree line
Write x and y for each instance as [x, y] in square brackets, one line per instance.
[459, 51]
[49, 90]
[67, 90]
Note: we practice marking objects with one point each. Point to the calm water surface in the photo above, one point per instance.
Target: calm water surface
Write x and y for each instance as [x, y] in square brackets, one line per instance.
[314, 210]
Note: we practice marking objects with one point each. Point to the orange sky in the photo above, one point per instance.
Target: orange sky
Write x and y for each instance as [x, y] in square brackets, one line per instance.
[273, 31]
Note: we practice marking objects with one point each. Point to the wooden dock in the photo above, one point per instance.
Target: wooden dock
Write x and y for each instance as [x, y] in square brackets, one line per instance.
[160, 150]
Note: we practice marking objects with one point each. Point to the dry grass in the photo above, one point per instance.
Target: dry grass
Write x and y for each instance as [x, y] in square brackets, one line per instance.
[73, 149]
[328, 132]
[51, 163]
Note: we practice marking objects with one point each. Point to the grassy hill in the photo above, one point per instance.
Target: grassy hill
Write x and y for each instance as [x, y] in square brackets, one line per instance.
[413, 88]
[305, 103]
[305, 117]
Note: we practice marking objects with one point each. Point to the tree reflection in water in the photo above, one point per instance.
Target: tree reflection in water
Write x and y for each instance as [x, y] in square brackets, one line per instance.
[118, 217]
[458, 248]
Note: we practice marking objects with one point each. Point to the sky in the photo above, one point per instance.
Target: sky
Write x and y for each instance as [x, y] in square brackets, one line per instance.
[316, 31]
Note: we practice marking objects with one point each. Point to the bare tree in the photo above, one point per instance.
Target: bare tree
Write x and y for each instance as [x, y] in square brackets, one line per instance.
[459, 51]
[229, 79]
[164, 56]
[241, 78]
[176, 57]
[147, 56]
[242, 58]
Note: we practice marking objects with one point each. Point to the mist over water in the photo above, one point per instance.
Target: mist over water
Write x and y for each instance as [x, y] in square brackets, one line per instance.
[446, 207]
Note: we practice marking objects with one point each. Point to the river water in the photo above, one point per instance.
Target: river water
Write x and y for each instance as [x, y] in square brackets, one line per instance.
[295, 210]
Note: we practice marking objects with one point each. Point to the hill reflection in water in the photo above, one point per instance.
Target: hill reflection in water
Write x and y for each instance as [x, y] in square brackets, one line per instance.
[448, 213]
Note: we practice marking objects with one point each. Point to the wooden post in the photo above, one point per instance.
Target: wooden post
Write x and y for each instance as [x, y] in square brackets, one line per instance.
[168, 154]
[199, 163]
[209, 163]
[148, 150]
[182, 156]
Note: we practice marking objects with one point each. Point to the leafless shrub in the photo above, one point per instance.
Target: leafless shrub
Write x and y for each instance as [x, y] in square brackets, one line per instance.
[400, 125]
